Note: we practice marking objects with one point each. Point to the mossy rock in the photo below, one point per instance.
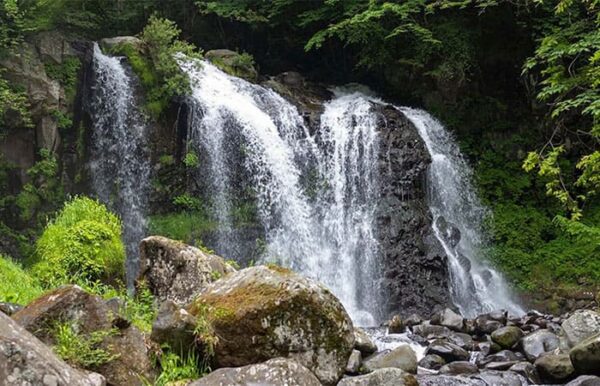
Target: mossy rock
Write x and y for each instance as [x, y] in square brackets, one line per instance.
[264, 312]
[233, 63]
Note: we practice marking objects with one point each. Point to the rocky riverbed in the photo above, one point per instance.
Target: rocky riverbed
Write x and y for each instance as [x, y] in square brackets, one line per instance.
[266, 325]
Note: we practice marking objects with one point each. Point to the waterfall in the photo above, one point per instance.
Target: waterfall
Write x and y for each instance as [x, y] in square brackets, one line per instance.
[120, 165]
[457, 221]
[315, 194]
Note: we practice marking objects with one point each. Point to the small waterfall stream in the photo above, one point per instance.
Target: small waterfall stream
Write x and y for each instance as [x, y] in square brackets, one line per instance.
[458, 214]
[120, 165]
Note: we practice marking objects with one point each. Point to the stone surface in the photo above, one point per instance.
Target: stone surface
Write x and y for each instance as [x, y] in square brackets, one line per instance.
[10, 308]
[68, 303]
[585, 380]
[429, 331]
[539, 342]
[402, 357]
[25, 360]
[579, 326]
[432, 362]
[554, 368]
[449, 351]
[362, 342]
[274, 372]
[263, 312]
[176, 271]
[507, 337]
[232, 63]
[396, 325]
[451, 319]
[381, 377]
[527, 370]
[486, 324]
[354, 362]
[585, 356]
[500, 378]
[174, 326]
[460, 367]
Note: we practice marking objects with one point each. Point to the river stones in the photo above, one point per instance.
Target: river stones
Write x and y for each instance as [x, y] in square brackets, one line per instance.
[450, 319]
[449, 351]
[354, 362]
[274, 372]
[507, 337]
[585, 380]
[460, 367]
[539, 342]
[402, 357]
[362, 342]
[381, 377]
[527, 370]
[585, 356]
[555, 368]
[265, 312]
[432, 362]
[579, 326]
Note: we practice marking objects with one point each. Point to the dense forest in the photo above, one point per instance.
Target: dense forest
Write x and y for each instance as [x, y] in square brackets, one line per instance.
[517, 83]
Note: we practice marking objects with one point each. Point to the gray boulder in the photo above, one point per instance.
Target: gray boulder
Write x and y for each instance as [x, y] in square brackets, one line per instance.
[585, 356]
[430, 331]
[174, 326]
[274, 372]
[25, 360]
[354, 362]
[232, 63]
[362, 342]
[527, 370]
[381, 377]
[585, 380]
[450, 319]
[539, 342]
[555, 368]
[579, 326]
[261, 312]
[402, 357]
[176, 271]
[460, 367]
[108, 43]
[500, 378]
[432, 362]
[449, 351]
[507, 337]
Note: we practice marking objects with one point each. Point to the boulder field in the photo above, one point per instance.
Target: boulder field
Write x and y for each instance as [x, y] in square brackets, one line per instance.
[266, 325]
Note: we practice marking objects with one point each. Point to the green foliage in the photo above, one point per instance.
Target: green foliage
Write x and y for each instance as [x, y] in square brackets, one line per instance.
[188, 227]
[14, 107]
[16, 285]
[83, 243]
[43, 192]
[84, 351]
[66, 74]
[187, 202]
[191, 160]
[177, 368]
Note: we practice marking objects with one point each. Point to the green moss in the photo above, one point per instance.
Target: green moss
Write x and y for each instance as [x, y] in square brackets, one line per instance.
[16, 285]
[188, 227]
[66, 74]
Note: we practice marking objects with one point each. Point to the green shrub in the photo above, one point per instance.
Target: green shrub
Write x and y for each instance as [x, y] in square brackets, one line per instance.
[82, 243]
[176, 368]
[66, 74]
[79, 350]
[16, 285]
[191, 160]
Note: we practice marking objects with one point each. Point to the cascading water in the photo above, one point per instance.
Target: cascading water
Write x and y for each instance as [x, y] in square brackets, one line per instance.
[458, 214]
[322, 228]
[120, 164]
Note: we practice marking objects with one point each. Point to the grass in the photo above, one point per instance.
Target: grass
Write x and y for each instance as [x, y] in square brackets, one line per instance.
[183, 226]
[177, 368]
[79, 350]
[16, 285]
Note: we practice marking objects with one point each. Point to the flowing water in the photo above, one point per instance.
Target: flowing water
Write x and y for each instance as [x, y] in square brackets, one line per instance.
[315, 195]
[120, 163]
[458, 214]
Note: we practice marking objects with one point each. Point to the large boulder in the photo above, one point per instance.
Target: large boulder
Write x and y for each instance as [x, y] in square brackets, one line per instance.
[507, 337]
[586, 355]
[86, 314]
[579, 326]
[460, 367]
[109, 43]
[174, 326]
[585, 380]
[274, 372]
[402, 357]
[381, 377]
[539, 342]
[450, 319]
[362, 342]
[449, 351]
[176, 271]
[555, 368]
[432, 362]
[263, 312]
[25, 360]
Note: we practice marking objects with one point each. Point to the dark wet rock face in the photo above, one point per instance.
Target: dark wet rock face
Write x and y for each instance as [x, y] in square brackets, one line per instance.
[414, 264]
